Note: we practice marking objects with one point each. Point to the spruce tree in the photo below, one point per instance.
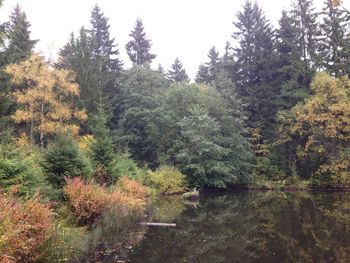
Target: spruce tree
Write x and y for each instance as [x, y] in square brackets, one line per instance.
[177, 73]
[207, 72]
[103, 45]
[202, 75]
[94, 57]
[293, 72]
[255, 77]
[139, 47]
[20, 44]
[333, 47]
[304, 20]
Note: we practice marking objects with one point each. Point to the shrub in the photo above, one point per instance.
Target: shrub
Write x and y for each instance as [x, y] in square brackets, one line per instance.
[166, 180]
[88, 201]
[24, 228]
[123, 165]
[63, 158]
[19, 169]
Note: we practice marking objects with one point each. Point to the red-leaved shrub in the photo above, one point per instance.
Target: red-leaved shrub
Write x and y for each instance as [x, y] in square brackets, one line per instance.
[24, 228]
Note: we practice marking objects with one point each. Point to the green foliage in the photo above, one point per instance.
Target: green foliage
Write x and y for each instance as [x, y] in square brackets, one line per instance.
[123, 165]
[19, 170]
[63, 158]
[166, 180]
[139, 47]
[141, 91]
[177, 73]
[202, 136]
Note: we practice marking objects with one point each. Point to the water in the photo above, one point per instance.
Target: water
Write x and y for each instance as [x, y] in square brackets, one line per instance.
[250, 227]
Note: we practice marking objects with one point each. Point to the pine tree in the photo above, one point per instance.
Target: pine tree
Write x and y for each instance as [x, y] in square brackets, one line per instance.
[333, 47]
[177, 73]
[256, 58]
[139, 47]
[20, 44]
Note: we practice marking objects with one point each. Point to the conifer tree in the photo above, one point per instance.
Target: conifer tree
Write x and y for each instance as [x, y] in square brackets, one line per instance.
[294, 73]
[256, 58]
[333, 46]
[304, 20]
[20, 44]
[177, 73]
[202, 75]
[207, 72]
[139, 47]
[103, 45]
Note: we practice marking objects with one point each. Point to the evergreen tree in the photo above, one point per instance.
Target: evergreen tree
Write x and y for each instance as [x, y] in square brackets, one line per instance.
[177, 73]
[202, 75]
[139, 47]
[207, 71]
[256, 58]
[294, 73]
[304, 20]
[333, 47]
[93, 56]
[20, 44]
[103, 46]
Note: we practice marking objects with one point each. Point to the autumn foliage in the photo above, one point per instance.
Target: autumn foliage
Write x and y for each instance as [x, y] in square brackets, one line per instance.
[88, 201]
[24, 228]
[44, 96]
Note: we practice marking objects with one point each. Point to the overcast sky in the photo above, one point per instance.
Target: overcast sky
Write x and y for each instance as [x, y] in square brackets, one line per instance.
[179, 28]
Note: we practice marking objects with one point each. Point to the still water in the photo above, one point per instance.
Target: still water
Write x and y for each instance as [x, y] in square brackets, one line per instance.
[250, 227]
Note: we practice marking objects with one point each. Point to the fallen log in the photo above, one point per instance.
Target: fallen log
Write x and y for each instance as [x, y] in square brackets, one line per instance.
[157, 224]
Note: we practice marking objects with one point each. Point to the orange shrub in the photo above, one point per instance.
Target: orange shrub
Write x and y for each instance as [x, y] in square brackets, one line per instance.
[24, 228]
[131, 187]
[88, 201]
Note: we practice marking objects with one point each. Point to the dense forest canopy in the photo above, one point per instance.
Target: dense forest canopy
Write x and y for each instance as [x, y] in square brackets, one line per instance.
[273, 107]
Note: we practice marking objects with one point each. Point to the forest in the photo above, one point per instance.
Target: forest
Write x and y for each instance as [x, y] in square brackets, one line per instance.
[84, 132]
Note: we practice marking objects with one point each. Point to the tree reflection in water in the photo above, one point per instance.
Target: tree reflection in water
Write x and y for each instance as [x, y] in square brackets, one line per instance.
[253, 227]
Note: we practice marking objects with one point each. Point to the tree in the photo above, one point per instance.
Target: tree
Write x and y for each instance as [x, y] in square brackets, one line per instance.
[134, 114]
[177, 73]
[202, 75]
[20, 46]
[255, 76]
[105, 52]
[201, 135]
[333, 44]
[304, 20]
[63, 158]
[94, 58]
[207, 71]
[294, 73]
[321, 127]
[139, 47]
[46, 101]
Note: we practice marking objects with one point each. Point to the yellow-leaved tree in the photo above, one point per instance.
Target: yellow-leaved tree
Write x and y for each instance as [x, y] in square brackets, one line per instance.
[45, 98]
[321, 125]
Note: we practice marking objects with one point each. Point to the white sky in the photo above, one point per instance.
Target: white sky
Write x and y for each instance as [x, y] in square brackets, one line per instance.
[178, 28]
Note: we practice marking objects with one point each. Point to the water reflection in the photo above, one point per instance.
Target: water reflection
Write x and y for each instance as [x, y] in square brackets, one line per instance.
[253, 227]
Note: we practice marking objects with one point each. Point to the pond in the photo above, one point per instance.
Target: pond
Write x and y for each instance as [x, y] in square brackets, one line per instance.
[250, 227]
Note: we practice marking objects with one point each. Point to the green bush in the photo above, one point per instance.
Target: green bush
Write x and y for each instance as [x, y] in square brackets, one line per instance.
[166, 180]
[20, 171]
[63, 158]
[123, 165]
